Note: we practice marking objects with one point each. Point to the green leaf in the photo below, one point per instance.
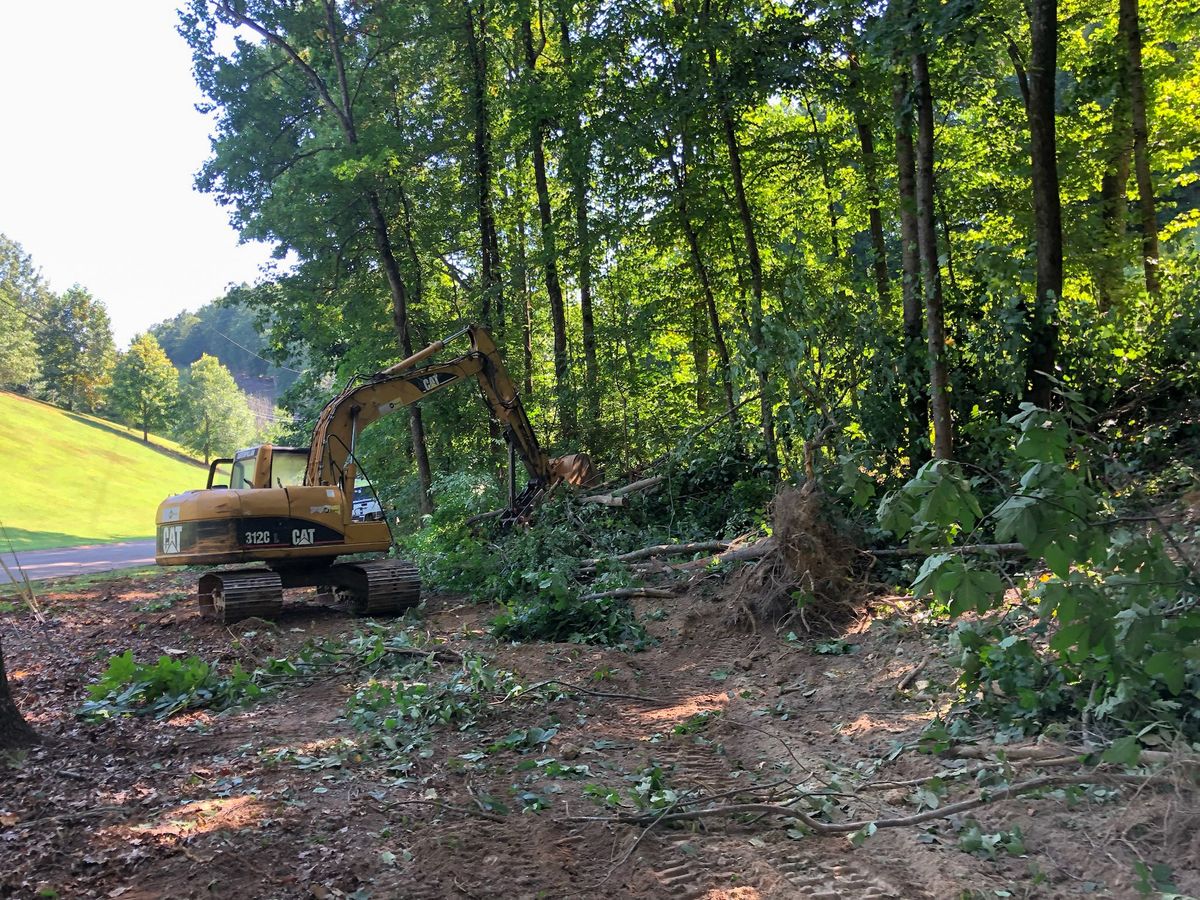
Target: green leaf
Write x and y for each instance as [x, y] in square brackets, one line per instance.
[1123, 752]
[1169, 668]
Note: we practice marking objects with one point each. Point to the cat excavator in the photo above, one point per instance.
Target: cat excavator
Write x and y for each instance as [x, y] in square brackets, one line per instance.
[291, 510]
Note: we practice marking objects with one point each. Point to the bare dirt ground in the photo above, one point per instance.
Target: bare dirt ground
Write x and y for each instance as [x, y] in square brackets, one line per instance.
[284, 798]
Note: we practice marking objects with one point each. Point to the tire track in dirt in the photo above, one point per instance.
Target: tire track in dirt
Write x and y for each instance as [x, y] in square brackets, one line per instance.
[845, 879]
[691, 866]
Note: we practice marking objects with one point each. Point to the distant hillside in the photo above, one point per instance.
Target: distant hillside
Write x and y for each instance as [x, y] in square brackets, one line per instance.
[226, 331]
[73, 479]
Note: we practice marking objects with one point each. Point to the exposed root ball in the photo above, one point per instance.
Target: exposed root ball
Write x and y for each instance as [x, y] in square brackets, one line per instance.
[804, 580]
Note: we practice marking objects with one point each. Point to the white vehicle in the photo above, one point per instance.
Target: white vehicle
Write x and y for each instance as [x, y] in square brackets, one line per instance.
[366, 507]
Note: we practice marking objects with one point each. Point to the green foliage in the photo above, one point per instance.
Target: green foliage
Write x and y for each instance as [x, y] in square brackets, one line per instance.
[214, 416]
[1116, 614]
[145, 385]
[164, 688]
[405, 701]
[23, 297]
[549, 609]
[77, 353]
[974, 840]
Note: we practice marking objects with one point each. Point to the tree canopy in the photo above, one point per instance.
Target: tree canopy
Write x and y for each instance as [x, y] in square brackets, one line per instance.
[848, 211]
[145, 385]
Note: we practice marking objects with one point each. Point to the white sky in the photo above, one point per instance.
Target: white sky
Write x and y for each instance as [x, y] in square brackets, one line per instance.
[99, 142]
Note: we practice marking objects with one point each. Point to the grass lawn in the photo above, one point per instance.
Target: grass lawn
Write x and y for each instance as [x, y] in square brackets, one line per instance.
[71, 479]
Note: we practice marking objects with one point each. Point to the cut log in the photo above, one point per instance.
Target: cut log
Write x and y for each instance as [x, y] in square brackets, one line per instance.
[617, 497]
[631, 593]
[662, 550]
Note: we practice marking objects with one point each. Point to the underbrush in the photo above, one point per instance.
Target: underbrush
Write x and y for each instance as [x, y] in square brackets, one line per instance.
[534, 571]
[1098, 628]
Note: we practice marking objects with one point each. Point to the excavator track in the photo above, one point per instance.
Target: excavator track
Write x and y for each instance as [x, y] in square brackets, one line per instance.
[382, 587]
[238, 594]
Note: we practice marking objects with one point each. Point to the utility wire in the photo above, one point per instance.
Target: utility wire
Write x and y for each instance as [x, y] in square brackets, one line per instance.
[251, 352]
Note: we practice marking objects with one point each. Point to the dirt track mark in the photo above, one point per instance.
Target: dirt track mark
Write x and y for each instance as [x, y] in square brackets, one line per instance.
[843, 880]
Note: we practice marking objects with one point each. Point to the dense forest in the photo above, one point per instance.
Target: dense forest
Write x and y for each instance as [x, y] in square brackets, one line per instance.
[934, 260]
[889, 225]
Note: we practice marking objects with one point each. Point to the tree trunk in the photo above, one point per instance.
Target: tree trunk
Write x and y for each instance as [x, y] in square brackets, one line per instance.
[1047, 205]
[577, 159]
[680, 173]
[489, 248]
[14, 730]
[558, 317]
[1114, 209]
[729, 130]
[931, 281]
[521, 274]
[866, 142]
[343, 110]
[1130, 31]
[915, 356]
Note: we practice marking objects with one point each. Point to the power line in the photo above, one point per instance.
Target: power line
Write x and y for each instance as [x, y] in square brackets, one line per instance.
[251, 352]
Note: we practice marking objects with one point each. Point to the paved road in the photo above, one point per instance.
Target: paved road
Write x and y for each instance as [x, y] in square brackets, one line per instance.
[39, 564]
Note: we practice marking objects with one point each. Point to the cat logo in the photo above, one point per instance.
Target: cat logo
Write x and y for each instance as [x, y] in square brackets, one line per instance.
[171, 535]
[302, 536]
[426, 383]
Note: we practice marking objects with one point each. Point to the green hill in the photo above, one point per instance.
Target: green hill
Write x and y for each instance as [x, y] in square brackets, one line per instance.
[73, 479]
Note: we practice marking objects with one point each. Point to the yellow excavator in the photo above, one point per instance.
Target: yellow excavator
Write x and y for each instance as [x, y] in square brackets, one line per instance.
[292, 509]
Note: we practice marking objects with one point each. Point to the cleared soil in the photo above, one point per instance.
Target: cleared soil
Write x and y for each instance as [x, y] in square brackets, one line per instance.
[217, 804]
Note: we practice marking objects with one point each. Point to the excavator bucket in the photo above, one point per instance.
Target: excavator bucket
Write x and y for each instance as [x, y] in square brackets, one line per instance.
[576, 469]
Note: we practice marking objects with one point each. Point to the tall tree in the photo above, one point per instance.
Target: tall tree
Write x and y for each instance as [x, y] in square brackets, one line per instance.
[1047, 204]
[914, 356]
[332, 91]
[76, 346]
[475, 24]
[577, 158]
[1130, 31]
[145, 385]
[23, 299]
[728, 127]
[558, 315]
[931, 278]
[214, 416]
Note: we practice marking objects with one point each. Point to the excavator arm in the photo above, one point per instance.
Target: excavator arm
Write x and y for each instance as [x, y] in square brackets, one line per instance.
[331, 459]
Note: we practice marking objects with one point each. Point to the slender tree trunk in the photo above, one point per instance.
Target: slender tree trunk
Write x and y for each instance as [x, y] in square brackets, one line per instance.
[729, 131]
[577, 159]
[489, 247]
[826, 182]
[944, 217]
[931, 281]
[1047, 205]
[1114, 209]
[1129, 27]
[14, 730]
[915, 355]
[523, 291]
[558, 318]
[866, 142]
[680, 173]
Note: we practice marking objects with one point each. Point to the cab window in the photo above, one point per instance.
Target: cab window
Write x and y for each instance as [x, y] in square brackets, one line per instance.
[287, 467]
[242, 474]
